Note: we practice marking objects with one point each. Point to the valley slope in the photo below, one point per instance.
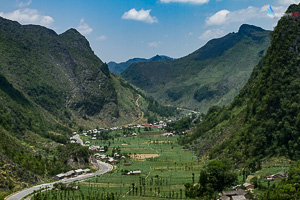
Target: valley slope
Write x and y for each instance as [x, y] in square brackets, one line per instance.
[212, 75]
[50, 86]
[264, 118]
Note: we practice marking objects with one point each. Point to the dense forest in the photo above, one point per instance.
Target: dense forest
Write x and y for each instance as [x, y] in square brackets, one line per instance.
[264, 118]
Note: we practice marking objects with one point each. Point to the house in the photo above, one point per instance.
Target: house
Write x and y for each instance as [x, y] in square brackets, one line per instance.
[78, 172]
[134, 172]
[269, 178]
[239, 197]
[233, 195]
[59, 177]
[101, 157]
[87, 171]
[134, 134]
[94, 138]
[224, 198]
[276, 177]
[87, 142]
[70, 174]
[248, 186]
[229, 193]
[112, 161]
[127, 164]
[168, 134]
[102, 149]
[279, 176]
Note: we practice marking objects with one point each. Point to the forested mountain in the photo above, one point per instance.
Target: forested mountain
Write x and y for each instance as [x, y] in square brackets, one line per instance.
[212, 75]
[264, 118]
[118, 68]
[51, 85]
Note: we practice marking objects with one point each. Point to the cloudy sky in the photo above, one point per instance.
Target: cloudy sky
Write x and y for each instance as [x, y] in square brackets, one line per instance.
[121, 29]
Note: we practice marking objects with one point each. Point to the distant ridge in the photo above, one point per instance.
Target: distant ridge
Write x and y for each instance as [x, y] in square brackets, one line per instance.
[212, 75]
[118, 68]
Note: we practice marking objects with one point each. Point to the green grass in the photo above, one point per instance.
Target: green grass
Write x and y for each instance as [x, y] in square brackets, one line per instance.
[168, 172]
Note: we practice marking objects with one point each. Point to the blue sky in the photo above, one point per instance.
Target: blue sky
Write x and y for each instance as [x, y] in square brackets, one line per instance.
[122, 29]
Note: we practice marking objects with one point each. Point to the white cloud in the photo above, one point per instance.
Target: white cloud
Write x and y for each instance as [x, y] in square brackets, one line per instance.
[24, 4]
[28, 16]
[84, 28]
[211, 33]
[189, 34]
[185, 1]
[243, 15]
[218, 19]
[288, 2]
[154, 44]
[101, 38]
[142, 15]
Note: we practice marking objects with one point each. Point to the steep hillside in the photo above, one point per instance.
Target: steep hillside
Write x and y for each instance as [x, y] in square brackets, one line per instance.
[139, 107]
[51, 85]
[212, 75]
[60, 73]
[33, 145]
[264, 118]
[118, 68]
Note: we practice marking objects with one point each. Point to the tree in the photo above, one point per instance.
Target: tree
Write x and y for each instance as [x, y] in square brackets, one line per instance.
[213, 178]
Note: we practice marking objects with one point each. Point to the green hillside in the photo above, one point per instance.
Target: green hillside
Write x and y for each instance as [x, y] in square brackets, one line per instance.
[212, 75]
[60, 73]
[50, 86]
[263, 120]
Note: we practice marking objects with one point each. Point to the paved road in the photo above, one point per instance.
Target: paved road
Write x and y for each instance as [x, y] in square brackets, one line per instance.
[104, 168]
[78, 140]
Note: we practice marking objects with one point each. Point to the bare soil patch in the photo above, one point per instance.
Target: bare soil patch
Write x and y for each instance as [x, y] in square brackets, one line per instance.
[143, 156]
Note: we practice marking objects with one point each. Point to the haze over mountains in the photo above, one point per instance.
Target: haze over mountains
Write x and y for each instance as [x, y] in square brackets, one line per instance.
[212, 75]
[118, 68]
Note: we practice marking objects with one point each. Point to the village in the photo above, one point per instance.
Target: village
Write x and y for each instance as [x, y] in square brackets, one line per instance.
[71, 174]
[244, 191]
[123, 160]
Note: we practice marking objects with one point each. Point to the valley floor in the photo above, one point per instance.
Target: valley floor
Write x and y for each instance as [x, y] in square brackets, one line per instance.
[164, 166]
[164, 169]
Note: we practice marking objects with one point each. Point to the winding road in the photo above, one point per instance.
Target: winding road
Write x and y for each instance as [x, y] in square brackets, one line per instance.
[104, 168]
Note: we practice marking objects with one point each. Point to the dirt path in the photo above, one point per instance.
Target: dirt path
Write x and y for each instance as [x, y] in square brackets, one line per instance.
[141, 115]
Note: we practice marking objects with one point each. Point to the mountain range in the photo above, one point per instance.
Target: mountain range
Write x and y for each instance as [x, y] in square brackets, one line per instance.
[118, 68]
[212, 75]
[50, 86]
[263, 120]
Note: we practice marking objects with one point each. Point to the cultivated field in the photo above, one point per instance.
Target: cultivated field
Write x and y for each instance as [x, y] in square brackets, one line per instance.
[164, 166]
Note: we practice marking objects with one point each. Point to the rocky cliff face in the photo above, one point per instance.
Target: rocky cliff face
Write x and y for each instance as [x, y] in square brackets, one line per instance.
[58, 72]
